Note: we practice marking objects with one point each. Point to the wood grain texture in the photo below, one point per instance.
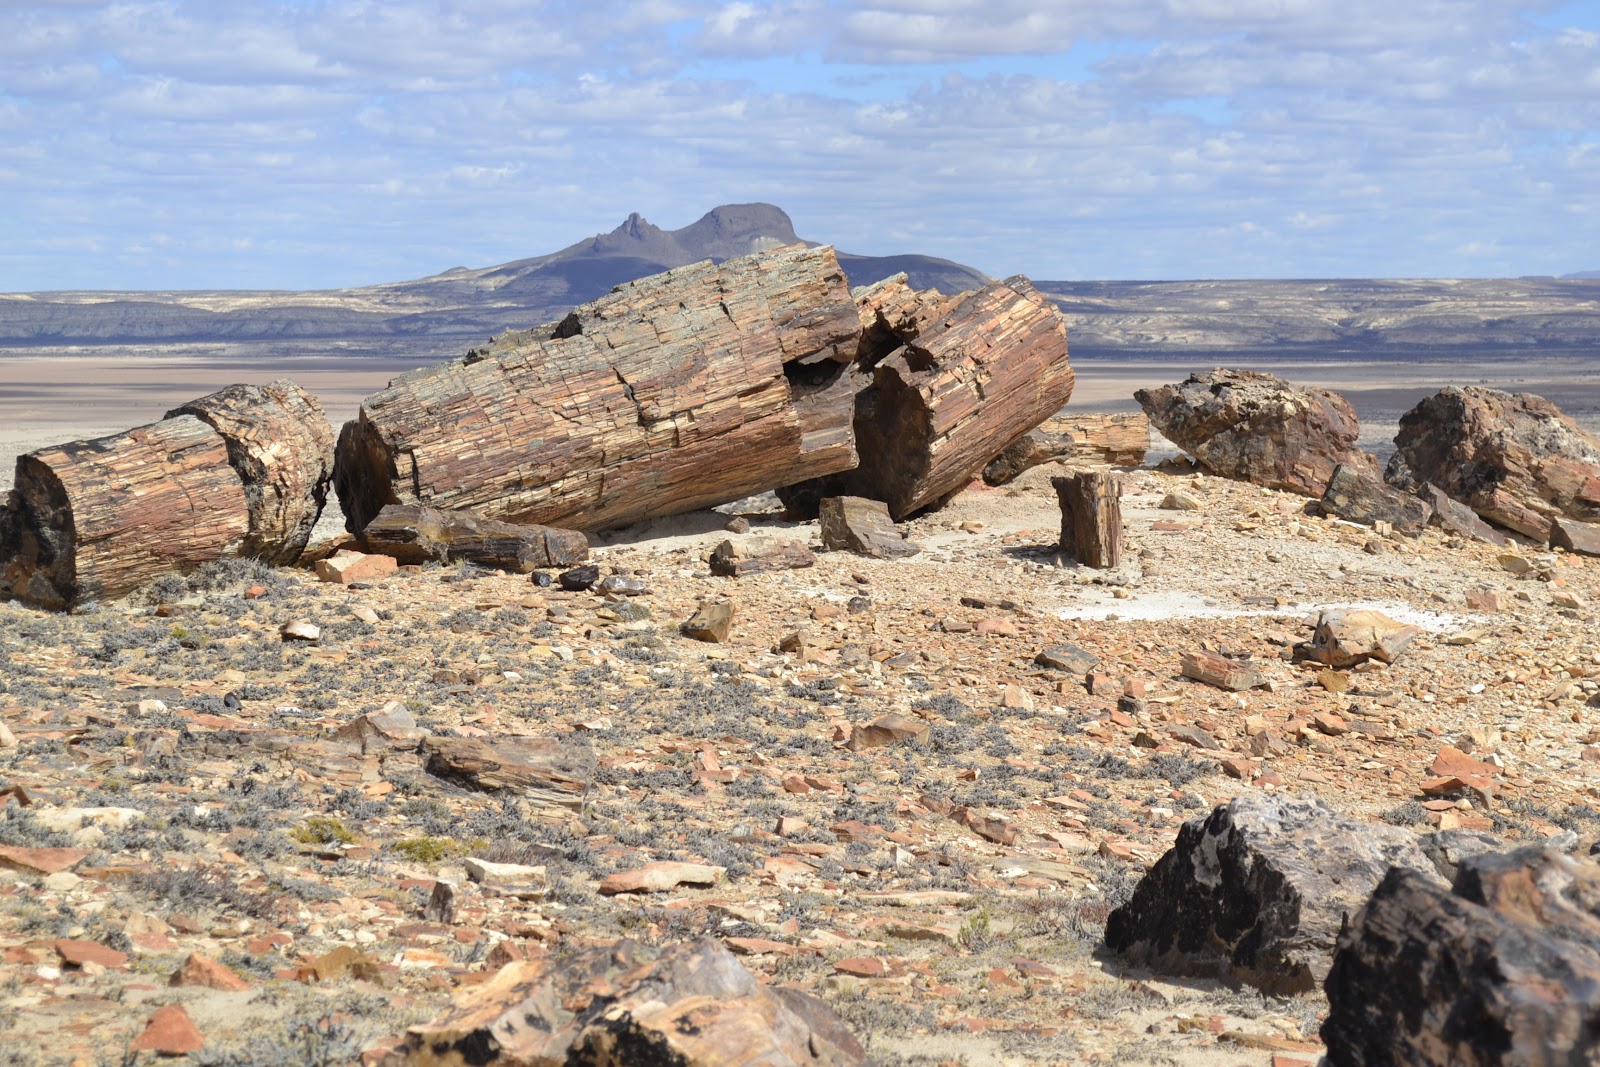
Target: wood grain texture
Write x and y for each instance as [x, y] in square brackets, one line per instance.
[1118, 439]
[96, 519]
[955, 381]
[281, 445]
[671, 394]
[1091, 517]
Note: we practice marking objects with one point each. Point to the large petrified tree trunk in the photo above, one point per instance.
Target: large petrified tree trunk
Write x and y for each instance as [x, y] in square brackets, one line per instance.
[281, 445]
[955, 381]
[241, 472]
[98, 518]
[679, 391]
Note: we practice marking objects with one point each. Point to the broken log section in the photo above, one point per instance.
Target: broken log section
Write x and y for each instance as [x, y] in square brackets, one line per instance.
[1091, 517]
[1121, 440]
[679, 391]
[1219, 671]
[955, 380]
[242, 472]
[413, 534]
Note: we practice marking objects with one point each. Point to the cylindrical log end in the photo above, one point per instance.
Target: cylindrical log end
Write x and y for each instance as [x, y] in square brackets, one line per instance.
[364, 473]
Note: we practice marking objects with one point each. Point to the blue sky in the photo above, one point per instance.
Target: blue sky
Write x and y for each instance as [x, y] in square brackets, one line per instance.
[322, 143]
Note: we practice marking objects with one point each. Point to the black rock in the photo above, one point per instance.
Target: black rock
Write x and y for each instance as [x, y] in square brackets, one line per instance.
[579, 578]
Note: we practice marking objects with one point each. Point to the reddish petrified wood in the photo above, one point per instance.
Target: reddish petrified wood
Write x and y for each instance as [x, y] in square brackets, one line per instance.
[94, 519]
[280, 443]
[679, 391]
[955, 380]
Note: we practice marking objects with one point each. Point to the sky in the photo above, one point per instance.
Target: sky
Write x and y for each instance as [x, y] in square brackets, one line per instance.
[301, 144]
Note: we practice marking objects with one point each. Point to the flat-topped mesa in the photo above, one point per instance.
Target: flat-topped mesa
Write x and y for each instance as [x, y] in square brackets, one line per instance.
[679, 391]
[955, 380]
[242, 472]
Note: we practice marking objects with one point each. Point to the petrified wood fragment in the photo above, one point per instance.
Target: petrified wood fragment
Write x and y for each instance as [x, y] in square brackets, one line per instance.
[1514, 458]
[546, 771]
[281, 445]
[1356, 492]
[675, 392]
[1256, 427]
[1120, 439]
[955, 381]
[415, 534]
[98, 518]
[1091, 517]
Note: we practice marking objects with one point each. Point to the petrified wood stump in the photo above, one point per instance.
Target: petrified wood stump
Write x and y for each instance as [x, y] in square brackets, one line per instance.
[680, 391]
[955, 380]
[1091, 517]
[99, 518]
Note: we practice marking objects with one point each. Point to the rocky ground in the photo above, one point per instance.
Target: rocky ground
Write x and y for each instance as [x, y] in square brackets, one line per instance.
[943, 881]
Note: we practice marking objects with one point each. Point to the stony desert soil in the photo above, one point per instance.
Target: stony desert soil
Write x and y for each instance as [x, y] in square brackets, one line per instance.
[241, 830]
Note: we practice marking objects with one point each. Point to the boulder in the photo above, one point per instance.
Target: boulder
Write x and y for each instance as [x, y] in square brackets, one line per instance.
[1453, 516]
[1256, 427]
[1513, 458]
[1258, 891]
[856, 524]
[1356, 492]
[412, 533]
[1501, 969]
[693, 1005]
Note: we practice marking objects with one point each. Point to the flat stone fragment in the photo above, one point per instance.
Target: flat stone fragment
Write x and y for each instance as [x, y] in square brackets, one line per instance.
[1345, 638]
[76, 952]
[169, 1032]
[1258, 891]
[41, 860]
[1455, 517]
[1069, 658]
[346, 567]
[413, 533]
[710, 622]
[198, 970]
[660, 876]
[514, 879]
[856, 524]
[1357, 493]
[887, 730]
[1575, 536]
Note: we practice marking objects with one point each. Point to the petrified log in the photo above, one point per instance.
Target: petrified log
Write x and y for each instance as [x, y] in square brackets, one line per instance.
[281, 446]
[1257, 892]
[955, 380]
[415, 534]
[548, 772]
[1121, 439]
[1515, 459]
[759, 555]
[1220, 671]
[1091, 517]
[1356, 492]
[693, 1006]
[1501, 970]
[98, 518]
[1256, 427]
[679, 391]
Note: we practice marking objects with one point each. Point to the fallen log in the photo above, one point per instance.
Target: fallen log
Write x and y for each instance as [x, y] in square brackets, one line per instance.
[679, 391]
[955, 381]
[1119, 439]
[94, 519]
[413, 534]
[281, 445]
[1091, 517]
[241, 472]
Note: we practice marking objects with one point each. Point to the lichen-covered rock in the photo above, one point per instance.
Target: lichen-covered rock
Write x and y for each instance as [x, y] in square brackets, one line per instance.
[1502, 970]
[1257, 892]
[1256, 427]
[693, 1006]
[1514, 458]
